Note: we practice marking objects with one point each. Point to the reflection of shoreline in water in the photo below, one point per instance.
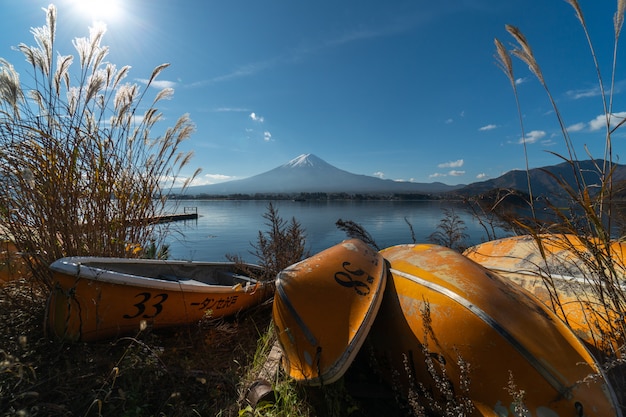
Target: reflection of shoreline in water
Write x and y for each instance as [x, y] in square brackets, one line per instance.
[228, 227]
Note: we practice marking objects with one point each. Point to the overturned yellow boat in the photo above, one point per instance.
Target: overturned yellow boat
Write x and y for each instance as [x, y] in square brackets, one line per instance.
[324, 307]
[446, 321]
[563, 272]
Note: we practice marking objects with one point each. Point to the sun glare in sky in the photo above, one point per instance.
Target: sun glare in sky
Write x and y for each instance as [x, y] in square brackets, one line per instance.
[105, 10]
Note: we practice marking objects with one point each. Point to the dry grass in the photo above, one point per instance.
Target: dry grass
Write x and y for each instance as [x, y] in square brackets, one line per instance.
[590, 215]
[591, 212]
[191, 371]
[84, 162]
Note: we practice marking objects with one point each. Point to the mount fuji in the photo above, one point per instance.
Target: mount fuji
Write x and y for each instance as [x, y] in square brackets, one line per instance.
[309, 174]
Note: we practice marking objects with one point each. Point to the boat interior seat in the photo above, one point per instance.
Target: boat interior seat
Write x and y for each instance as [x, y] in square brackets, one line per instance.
[189, 280]
[220, 277]
[169, 277]
[233, 278]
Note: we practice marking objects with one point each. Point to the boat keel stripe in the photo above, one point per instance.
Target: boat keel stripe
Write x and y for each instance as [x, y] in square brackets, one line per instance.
[283, 296]
[490, 321]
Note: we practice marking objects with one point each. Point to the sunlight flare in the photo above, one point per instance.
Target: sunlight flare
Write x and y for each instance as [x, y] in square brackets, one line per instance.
[105, 10]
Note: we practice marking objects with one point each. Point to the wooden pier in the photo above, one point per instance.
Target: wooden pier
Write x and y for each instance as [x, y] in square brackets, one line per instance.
[189, 213]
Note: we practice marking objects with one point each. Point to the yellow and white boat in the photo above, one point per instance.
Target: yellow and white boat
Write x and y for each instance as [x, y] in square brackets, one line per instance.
[95, 298]
[475, 327]
[324, 307]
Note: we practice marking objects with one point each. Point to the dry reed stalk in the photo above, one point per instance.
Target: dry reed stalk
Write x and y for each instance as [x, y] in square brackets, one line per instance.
[84, 168]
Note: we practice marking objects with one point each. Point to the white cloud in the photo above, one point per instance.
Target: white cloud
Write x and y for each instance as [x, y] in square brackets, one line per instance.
[214, 178]
[449, 121]
[481, 176]
[532, 137]
[205, 179]
[303, 52]
[520, 81]
[487, 127]
[577, 127]
[451, 164]
[436, 175]
[267, 136]
[578, 94]
[600, 121]
[256, 117]
[160, 84]
[231, 109]
[239, 72]
[379, 174]
[455, 173]
[136, 119]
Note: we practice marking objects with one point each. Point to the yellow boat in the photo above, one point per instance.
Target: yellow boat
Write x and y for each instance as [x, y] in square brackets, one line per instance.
[324, 307]
[12, 263]
[473, 326]
[563, 278]
[96, 298]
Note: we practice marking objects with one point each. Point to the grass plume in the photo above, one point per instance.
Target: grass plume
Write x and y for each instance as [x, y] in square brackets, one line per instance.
[82, 166]
[590, 212]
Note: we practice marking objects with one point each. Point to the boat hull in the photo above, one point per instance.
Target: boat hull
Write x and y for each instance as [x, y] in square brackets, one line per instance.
[470, 325]
[559, 278]
[323, 309]
[99, 298]
[13, 265]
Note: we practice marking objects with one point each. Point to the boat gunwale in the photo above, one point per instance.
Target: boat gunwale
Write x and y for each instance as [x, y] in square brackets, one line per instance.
[79, 268]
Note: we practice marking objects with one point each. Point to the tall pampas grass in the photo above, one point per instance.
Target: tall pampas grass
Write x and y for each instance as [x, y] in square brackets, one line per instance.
[591, 213]
[84, 163]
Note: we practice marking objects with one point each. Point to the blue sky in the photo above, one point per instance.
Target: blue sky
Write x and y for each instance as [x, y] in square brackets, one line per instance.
[401, 89]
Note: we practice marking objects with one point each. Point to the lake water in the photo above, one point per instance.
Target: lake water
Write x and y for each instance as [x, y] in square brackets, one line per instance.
[229, 227]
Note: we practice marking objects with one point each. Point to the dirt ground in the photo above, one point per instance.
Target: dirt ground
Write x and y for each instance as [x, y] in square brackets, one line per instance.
[195, 370]
[200, 370]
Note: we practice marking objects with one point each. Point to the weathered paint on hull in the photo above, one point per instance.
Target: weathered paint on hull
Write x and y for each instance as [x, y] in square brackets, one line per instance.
[102, 306]
[495, 327]
[559, 277]
[324, 307]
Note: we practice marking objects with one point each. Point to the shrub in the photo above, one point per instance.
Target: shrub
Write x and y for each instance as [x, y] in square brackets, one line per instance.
[450, 231]
[281, 245]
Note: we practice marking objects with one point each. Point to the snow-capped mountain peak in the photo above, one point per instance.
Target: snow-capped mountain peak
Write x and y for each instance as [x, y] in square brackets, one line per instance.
[304, 160]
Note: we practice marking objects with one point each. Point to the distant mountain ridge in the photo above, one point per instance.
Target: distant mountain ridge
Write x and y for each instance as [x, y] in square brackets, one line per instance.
[543, 181]
[308, 173]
